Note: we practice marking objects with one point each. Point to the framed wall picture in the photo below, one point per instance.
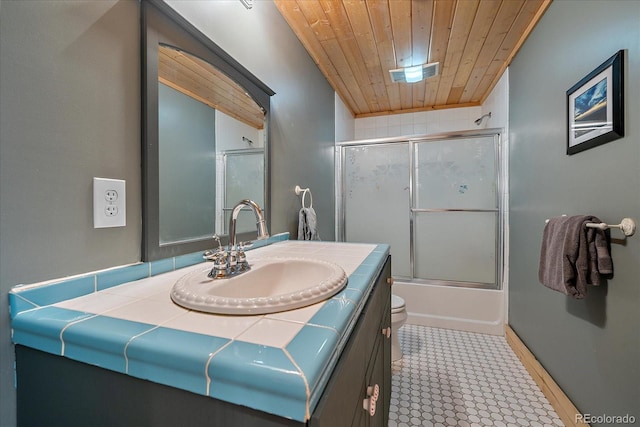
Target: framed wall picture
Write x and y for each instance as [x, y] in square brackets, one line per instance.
[595, 106]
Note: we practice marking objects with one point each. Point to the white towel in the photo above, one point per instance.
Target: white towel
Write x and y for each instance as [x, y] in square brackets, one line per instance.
[307, 225]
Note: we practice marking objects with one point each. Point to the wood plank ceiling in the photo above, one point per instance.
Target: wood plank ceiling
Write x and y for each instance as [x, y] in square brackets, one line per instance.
[356, 42]
[205, 83]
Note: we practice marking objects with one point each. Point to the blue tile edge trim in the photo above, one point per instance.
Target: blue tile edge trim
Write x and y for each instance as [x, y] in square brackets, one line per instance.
[143, 358]
[173, 357]
[312, 350]
[363, 277]
[274, 385]
[41, 328]
[26, 297]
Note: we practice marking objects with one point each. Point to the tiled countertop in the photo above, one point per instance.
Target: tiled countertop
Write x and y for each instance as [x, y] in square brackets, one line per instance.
[277, 363]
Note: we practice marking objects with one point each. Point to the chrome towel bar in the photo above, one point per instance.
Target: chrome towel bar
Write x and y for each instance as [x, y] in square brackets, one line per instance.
[627, 226]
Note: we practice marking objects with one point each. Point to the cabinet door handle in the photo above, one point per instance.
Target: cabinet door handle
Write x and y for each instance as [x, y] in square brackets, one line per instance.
[386, 332]
[373, 391]
[372, 408]
[390, 280]
[369, 404]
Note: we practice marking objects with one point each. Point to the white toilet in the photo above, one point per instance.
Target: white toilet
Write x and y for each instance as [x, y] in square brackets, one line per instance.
[398, 317]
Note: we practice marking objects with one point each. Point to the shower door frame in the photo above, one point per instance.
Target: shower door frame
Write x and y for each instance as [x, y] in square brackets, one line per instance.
[411, 142]
[237, 152]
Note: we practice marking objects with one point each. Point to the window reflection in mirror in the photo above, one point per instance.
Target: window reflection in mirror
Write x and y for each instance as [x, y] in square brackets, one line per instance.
[243, 178]
[211, 137]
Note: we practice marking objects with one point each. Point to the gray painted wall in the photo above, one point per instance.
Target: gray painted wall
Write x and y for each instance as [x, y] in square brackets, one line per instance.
[186, 136]
[591, 347]
[70, 110]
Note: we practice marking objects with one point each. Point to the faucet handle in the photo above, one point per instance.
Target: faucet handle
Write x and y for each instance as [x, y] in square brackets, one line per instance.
[242, 257]
[217, 238]
[245, 245]
[220, 266]
[210, 254]
[242, 263]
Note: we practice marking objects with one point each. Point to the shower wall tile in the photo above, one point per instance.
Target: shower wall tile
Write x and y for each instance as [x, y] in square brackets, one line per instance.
[419, 123]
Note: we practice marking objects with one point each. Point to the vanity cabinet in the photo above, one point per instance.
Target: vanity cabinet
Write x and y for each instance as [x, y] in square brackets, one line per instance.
[57, 391]
[365, 363]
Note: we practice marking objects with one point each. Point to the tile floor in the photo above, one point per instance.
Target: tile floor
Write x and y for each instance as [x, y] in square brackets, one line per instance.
[454, 378]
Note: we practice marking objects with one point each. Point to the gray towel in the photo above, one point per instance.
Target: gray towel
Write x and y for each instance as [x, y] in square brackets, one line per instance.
[307, 225]
[573, 256]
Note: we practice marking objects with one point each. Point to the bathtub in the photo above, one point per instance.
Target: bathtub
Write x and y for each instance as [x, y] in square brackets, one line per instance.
[449, 307]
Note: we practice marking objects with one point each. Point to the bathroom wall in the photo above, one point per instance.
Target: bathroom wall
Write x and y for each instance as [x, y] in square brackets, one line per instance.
[345, 122]
[591, 347]
[420, 123]
[186, 135]
[345, 131]
[497, 103]
[70, 110]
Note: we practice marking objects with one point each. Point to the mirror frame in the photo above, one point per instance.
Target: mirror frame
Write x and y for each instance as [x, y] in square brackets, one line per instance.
[161, 24]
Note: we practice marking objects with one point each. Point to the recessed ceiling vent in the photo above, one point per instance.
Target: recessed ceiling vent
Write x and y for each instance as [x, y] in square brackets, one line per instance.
[414, 74]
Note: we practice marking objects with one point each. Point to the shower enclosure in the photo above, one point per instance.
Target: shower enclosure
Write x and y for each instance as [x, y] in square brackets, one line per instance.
[437, 200]
[243, 178]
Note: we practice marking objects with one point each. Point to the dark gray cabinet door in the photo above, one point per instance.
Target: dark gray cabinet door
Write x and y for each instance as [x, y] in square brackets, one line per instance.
[365, 361]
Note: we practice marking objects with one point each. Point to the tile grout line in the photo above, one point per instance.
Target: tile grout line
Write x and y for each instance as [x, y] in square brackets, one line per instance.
[307, 415]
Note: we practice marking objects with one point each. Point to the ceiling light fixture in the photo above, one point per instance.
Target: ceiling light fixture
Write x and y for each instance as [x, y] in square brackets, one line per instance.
[415, 73]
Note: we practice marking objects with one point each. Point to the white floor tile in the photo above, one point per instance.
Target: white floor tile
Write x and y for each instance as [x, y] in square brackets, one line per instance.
[453, 378]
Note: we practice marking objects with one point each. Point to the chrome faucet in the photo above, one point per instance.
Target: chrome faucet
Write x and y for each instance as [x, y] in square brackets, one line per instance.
[260, 223]
[233, 261]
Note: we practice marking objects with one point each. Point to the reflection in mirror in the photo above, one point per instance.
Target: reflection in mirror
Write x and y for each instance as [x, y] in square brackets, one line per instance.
[208, 122]
[243, 178]
[205, 137]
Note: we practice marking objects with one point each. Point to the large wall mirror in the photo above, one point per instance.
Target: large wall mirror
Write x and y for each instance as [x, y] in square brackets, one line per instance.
[205, 137]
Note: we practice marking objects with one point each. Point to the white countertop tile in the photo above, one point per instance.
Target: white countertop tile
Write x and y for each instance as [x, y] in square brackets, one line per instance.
[252, 344]
[271, 332]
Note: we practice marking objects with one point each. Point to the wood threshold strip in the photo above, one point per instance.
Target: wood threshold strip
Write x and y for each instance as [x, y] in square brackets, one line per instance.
[554, 394]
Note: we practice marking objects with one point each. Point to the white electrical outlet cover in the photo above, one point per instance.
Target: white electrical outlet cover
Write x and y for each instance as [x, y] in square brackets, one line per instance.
[109, 203]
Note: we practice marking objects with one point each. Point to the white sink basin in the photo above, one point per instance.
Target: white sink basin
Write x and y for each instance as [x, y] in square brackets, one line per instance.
[272, 285]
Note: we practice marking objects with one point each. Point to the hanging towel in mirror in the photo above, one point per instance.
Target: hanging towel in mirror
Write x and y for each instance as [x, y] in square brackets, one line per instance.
[307, 225]
[573, 256]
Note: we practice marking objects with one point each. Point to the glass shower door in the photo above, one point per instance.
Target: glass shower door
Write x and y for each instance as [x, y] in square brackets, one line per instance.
[243, 179]
[455, 211]
[435, 200]
[375, 199]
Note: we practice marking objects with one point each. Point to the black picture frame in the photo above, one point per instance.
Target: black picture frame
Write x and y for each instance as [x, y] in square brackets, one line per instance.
[595, 106]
